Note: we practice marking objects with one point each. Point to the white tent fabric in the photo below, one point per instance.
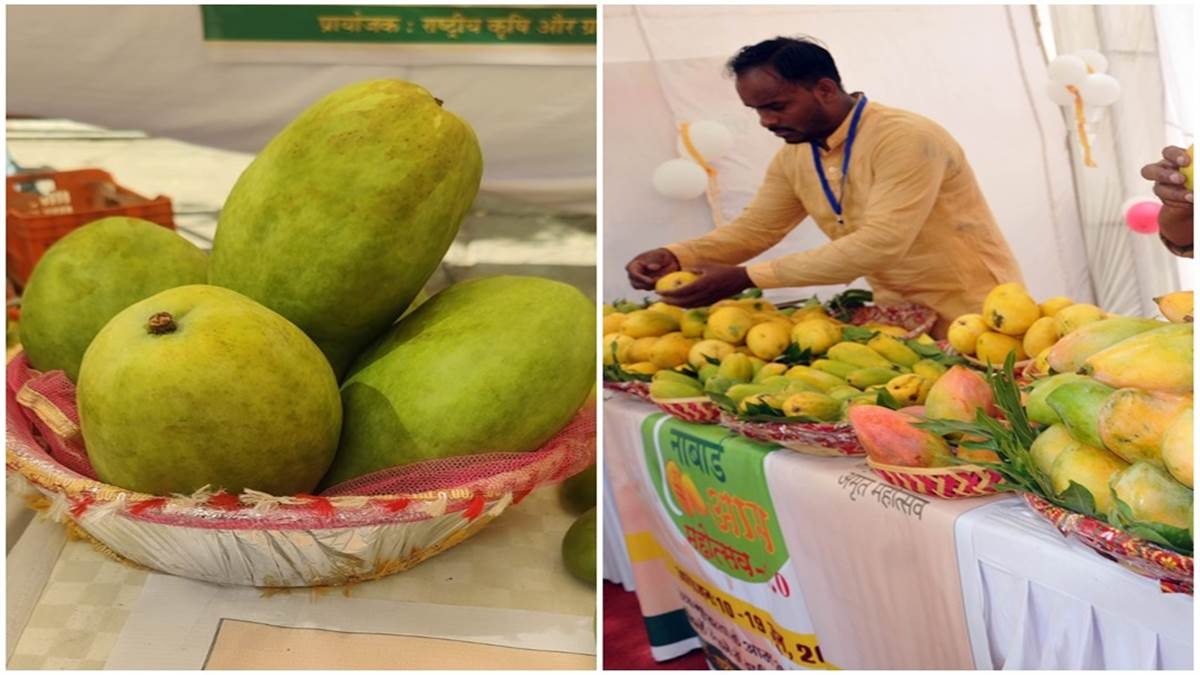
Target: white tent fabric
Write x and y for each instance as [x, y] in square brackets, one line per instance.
[977, 70]
[149, 68]
[1128, 270]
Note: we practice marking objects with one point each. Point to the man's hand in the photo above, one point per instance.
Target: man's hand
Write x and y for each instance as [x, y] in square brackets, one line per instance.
[1168, 182]
[646, 268]
[716, 282]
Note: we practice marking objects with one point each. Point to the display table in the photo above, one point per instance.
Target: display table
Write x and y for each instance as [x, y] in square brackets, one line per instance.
[857, 574]
[92, 612]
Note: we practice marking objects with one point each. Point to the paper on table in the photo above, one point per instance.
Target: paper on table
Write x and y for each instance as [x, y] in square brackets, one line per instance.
[175, 623]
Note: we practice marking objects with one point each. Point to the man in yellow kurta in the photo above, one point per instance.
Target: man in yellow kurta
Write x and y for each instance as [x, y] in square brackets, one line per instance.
[897, 199]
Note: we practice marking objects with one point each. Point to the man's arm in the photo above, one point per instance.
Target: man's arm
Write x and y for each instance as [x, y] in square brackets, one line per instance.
[909, 169]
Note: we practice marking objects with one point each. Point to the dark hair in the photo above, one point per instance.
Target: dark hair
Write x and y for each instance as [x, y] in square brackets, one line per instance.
[795, 59]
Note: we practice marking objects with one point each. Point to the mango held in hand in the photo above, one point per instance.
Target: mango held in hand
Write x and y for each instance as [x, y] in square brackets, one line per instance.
[1008, 309]
[199, 385]
[88, 276]
[344, 215]
[499, 364]
[675, 280]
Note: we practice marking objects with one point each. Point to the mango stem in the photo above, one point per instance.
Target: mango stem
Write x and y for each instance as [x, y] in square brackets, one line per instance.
[161, 323]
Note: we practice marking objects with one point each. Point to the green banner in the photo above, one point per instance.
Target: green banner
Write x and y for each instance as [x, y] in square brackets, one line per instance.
[436, 24]
[713, 486]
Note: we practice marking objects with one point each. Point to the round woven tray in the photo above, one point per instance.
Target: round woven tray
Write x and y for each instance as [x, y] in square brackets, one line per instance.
[634, 388]
[1174, 571]
[948, 482]
[699, 409]
[917, 319]
[255, 539]
[823, 439]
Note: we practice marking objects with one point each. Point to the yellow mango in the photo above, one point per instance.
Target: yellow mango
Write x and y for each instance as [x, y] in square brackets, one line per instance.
[993, 348]
[964, 332]
[1008, 309]
[716, 349]
[641, 349]
[1132, 423]
[816, 335]
[1177, 453]
[1041, 335]
[623, 344]
[1051, 306]
[1080, 314]
[648, 323]
[767, 340]
[612, 323]
[674, 280]
[730, 324]
[1157, 360]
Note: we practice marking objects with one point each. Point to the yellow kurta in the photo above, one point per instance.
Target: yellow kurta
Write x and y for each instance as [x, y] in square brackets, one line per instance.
[916, 223]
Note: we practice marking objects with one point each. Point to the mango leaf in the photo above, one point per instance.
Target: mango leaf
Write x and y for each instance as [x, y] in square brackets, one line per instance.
[749, 293]
[722, 401]
[794, 355]
[884, 398]
[842, 305]
[1080, 500]
[857, 334]
[934, 353]
[1168, 536]
[712, 359]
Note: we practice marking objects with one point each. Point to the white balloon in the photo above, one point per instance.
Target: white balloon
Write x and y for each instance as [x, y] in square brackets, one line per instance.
[1093, 58]
[1059, 94]
[1067, 69]
[680, 179]
[711, 139]
[1100, 89]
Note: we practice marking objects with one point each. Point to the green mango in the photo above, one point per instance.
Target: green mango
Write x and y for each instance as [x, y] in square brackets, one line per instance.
[866, 377]
[1036, 407]
[1077, 404]
[578, 493]
[707, 372]
[668, 375]
[199, 385]
[343, 216]
[719, 384]
[1152, 496]
[498, 364]
[838, 368]
[88, 276]
[579, 547]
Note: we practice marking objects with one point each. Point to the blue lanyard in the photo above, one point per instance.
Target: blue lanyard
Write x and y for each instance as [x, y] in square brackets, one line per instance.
[833, 200]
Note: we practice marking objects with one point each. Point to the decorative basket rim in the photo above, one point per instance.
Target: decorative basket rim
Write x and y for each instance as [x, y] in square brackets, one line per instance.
[1031, 497]
[841, 425]
[929, 470]
[250, 509]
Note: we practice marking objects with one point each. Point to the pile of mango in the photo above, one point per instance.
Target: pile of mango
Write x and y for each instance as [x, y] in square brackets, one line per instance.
[296, 357]
[761, 360]
[1012, 321]
[1116, 420]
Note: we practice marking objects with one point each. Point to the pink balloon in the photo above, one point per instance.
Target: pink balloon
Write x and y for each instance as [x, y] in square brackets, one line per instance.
[1142, 217]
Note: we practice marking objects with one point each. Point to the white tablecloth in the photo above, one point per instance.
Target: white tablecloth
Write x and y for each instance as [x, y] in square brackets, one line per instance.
[1035, 599]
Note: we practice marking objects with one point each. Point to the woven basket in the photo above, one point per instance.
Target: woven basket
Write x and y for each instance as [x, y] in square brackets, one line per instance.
[1174, 571]
[915, 318]
[635, 388]
[947, 482]
[698, 409]
[255, 539]
[823, 439]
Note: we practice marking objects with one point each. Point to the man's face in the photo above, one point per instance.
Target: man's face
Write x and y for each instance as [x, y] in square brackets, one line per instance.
[787, 109]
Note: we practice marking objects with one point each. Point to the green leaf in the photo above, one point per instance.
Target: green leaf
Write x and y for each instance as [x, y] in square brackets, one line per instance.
[712, 359]
[842, 305]
[722, 401]
[749, 293]
[794, 355]
[1168, 536]
[857, 334]
[1080, 500]
[884, 398]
